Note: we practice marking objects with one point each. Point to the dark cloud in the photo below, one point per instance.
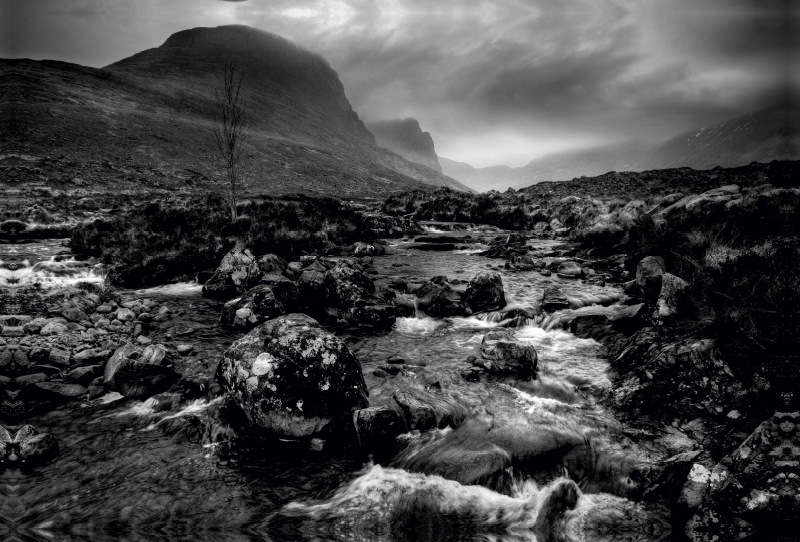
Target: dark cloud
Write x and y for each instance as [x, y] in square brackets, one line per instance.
[494, 81]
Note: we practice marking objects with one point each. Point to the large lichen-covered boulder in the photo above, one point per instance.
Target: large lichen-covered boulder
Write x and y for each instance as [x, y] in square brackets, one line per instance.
[485, 292]
[232, 275]
[293, 378]
[254, 307]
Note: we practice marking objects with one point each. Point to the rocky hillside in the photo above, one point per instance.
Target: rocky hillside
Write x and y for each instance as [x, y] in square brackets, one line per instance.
[147, 119]
[406, 138]
[767, 135]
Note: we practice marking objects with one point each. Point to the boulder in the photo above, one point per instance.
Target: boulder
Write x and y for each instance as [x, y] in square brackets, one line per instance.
[286, 291]
[85, 375]
[268, 264]
[293, 378]
[521, 262]
[28, 445]
[58, 356]
[377, 428]
[232, 274]
[34, 327]
[569, 270]
[349, 295]
[648, 277]
[439, 299]
[508, 357]
[553, 299]
[485, 292]
[53, 328]
[422, 409]
[672, 289]
[310, 286]
[75, 315]
[365, 249]
[752, 492]
[255, 307]
[125, 315]
[130, 373]
[60, 391]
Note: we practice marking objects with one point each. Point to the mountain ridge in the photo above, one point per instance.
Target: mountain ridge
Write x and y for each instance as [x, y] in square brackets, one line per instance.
[762, 136]
[154, 111]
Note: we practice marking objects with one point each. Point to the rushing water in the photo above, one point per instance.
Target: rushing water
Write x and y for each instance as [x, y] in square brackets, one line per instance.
[126, 472]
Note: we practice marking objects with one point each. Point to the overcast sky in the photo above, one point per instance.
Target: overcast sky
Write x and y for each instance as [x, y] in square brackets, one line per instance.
[495, 82]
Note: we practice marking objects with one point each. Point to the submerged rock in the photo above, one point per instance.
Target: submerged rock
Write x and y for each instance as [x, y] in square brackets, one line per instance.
[293, 378]
[485, 292]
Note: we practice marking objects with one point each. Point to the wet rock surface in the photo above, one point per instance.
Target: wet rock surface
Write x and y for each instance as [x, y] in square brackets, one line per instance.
[292, 378]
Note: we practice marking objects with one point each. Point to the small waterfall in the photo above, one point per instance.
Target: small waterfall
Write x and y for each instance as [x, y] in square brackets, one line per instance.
[54, 272]
[418, 314]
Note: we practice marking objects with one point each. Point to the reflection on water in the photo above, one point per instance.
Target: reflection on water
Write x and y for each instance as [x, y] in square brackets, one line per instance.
[532, 461]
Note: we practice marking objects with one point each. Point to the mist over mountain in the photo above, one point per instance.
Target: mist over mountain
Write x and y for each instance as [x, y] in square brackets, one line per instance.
[406, 138]
[763, 136]
[154, 110]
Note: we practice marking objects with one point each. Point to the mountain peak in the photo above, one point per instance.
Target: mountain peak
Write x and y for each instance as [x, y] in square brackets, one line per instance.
[406, 138]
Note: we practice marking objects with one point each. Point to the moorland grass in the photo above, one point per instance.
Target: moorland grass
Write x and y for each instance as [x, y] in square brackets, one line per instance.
[156, 242]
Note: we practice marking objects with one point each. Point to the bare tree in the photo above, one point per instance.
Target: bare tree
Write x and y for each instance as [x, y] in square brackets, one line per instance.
[230, 134]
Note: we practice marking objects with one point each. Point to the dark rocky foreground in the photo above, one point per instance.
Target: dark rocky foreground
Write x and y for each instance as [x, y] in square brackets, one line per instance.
[505, 383]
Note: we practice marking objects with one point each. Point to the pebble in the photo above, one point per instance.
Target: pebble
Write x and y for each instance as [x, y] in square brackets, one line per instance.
[185, 349]
[141, 339]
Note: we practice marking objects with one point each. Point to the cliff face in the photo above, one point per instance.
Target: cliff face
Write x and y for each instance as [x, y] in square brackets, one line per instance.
[406, 138]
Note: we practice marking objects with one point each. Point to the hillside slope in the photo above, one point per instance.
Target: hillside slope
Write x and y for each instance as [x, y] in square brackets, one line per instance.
[148, 118]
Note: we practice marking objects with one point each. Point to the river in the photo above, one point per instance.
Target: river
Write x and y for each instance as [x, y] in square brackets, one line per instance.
[127, 473]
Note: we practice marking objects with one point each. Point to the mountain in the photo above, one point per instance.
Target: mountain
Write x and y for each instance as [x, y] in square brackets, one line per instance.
[406, 138]
[551, 167]
[769, 134]
[150, 116]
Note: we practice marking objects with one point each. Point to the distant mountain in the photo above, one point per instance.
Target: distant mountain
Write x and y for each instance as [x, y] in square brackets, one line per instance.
[406, 138]
[770, 134]
[153, 111]
[552, 167]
